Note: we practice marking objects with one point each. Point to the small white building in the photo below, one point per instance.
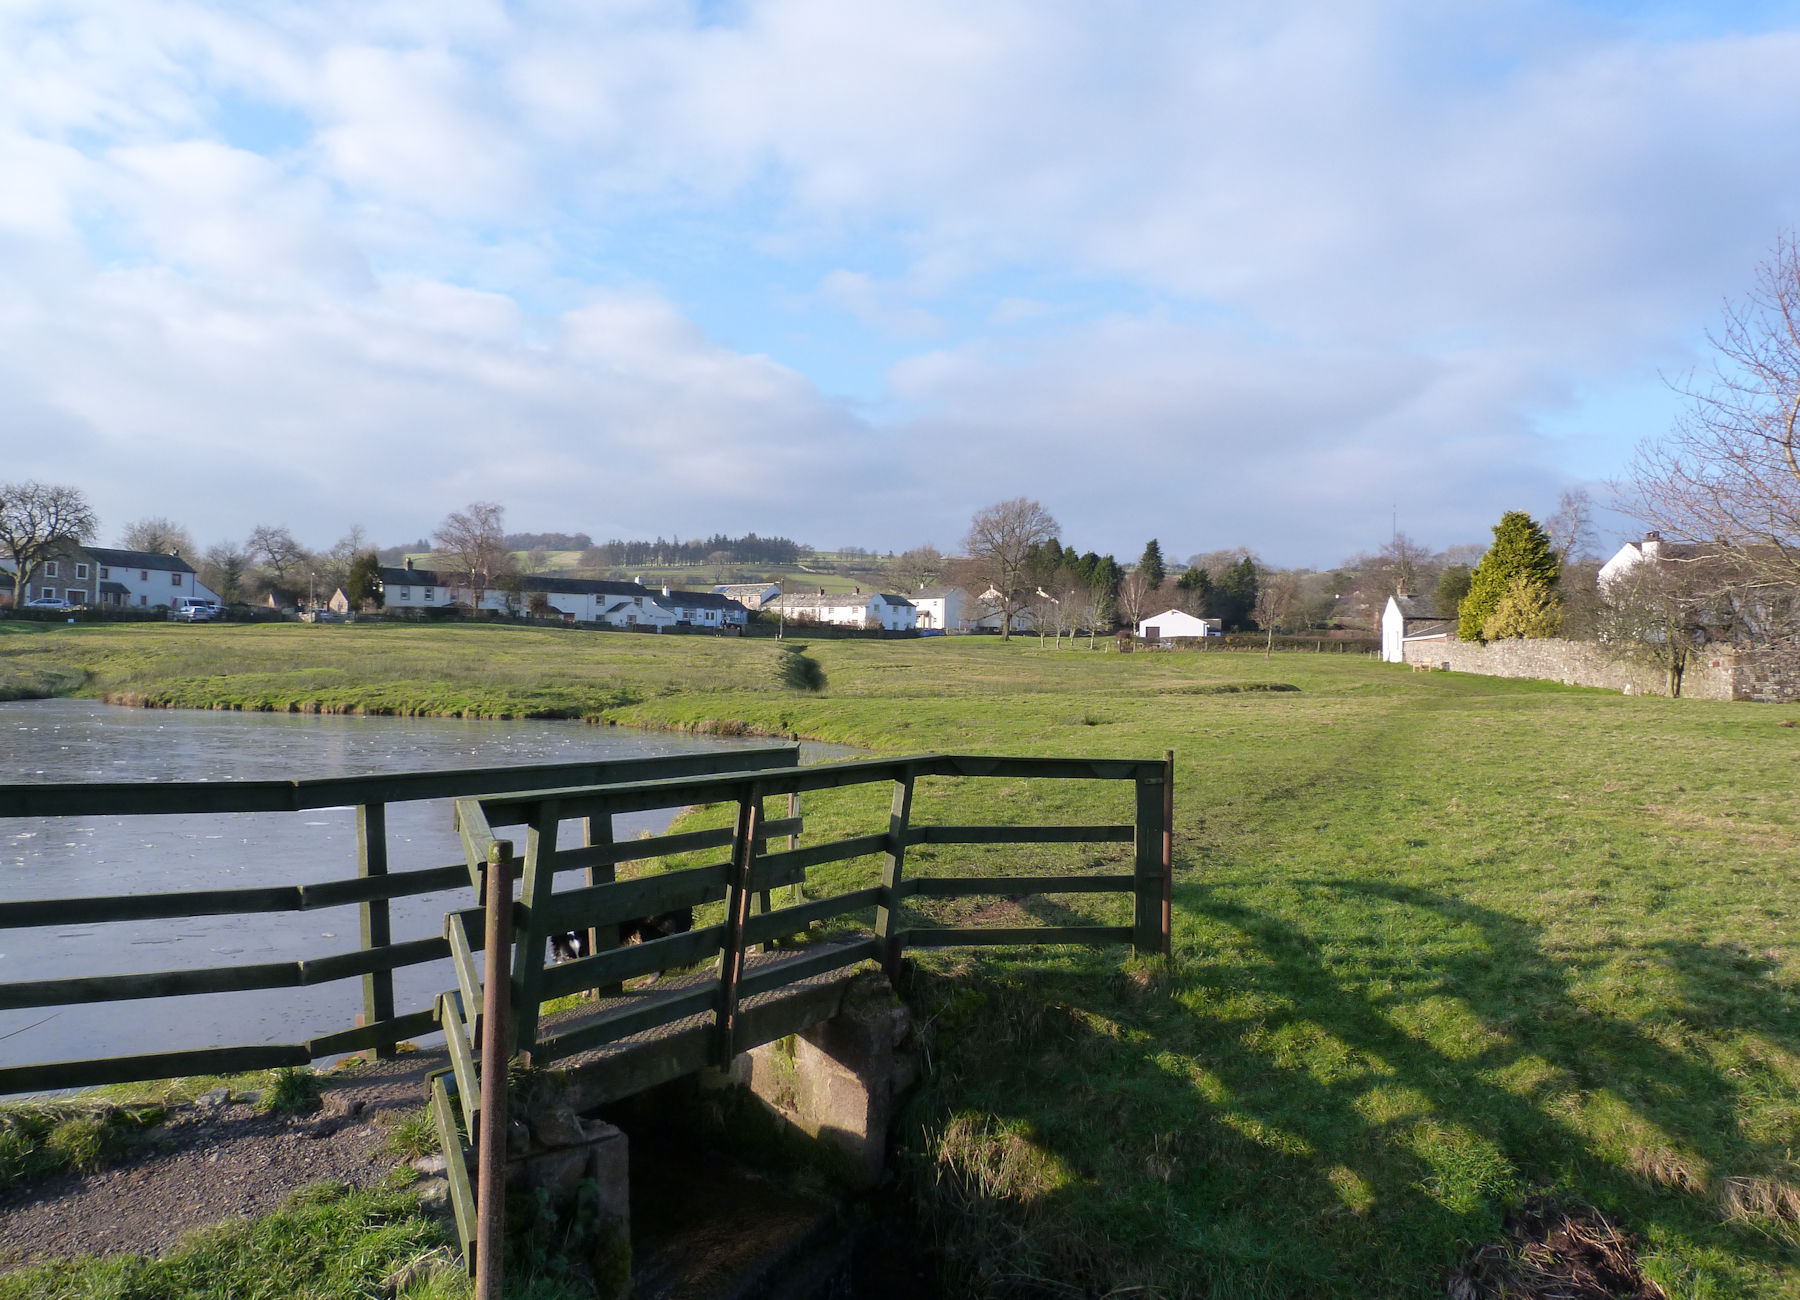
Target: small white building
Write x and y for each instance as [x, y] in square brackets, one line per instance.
[1176, 625]
[875, 610]
[943, 608]
[1411, 618]
[707, 609]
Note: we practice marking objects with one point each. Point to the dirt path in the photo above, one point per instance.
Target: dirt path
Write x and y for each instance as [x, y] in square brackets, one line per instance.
[210, 1164]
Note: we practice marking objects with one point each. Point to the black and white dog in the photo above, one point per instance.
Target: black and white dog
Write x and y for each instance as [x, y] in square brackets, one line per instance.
[574, 943]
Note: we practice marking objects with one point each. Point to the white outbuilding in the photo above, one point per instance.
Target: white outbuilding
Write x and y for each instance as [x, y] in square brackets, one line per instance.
[1174, 625]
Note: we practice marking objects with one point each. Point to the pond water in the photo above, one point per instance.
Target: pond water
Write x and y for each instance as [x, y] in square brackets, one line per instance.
[79, 740]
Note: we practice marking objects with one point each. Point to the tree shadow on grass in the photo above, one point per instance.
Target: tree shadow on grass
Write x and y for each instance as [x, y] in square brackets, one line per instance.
[1346, 1108]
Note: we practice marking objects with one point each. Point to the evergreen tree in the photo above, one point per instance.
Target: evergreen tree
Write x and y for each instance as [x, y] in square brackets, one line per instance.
[1150, 564]
[1196, 588]
[1235, 594]
[1521, 549]
[364, 582]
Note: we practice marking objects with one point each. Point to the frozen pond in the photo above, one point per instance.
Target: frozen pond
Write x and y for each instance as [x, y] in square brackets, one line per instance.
[79, 740]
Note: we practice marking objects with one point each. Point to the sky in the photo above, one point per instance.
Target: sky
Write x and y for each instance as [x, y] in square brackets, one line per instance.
[1272, 275]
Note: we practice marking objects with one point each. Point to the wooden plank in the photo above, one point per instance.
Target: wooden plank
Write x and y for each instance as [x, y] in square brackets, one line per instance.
[396, 884]
[477, 838]
[532, 937]
[769, 976]
[99, 910]
[791, 920]
[627, 900]
[597, 833]
[152, 984]
[462, 954]
[1063, 769]
[1167, 926]
[374, 922]
[455, 1019]
[456, 1167]
[92, 1073]
[148, 907]
[981, 886]
[1115, 834]
[737, 912]
[979, 938]
[133, 798]
[814, 855]
[629, 961]
[414, 952]
[385, 1034]
[652, 1012]
[659, 846]
[888, 922]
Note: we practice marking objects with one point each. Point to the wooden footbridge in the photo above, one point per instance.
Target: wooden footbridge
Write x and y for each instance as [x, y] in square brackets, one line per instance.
[649, 1012]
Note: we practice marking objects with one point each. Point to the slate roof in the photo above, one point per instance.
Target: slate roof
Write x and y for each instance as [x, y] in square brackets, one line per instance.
[1416, 607]
[138, 560]
[582, 586]
[398, 577]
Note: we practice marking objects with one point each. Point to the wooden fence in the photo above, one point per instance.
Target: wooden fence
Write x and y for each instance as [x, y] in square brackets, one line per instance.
[371, 889]
[712, 1003]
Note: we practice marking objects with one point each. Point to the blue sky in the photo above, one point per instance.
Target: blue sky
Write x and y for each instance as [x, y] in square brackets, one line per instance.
[1249, 275]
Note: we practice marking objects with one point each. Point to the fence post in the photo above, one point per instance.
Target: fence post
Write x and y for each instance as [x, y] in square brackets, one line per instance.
[377, 928]
[496, 1047]
[1147, 864]
[535, 885]
[1168, 853]
[888, 928]
[737, 911]
[597, 831]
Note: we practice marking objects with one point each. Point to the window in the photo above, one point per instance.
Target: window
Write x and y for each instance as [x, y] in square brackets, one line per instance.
[428, 591]
[105, 572]
[49, 593]
[143, 600]
[175, 579]
[406, 593]
[50, 568]
[143, 575]
[81, 572]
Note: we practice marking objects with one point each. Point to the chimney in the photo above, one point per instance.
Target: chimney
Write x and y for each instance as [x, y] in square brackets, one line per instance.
[1651, 545]
[821, 591]
[859, 591]
[409, 564]
[665, 591]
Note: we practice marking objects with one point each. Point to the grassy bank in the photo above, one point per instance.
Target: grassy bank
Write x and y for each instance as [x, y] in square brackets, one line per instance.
[1442, 942]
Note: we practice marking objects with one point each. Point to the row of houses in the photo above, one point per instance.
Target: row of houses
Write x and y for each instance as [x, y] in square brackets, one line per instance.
[408, 588]
[105, 578]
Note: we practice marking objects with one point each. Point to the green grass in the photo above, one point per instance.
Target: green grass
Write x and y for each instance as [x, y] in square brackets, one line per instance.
[1442, 942]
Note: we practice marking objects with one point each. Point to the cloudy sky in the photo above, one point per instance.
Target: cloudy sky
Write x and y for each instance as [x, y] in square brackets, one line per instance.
[1248, 274]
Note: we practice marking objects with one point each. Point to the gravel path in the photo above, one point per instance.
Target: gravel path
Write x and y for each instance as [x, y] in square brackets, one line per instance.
[212, 1164]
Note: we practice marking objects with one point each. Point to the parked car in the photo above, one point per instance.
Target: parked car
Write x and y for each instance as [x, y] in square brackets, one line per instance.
[48, 602]
[195, 613]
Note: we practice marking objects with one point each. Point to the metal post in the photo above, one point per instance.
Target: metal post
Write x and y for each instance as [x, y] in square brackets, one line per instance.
[1168, 852]
[496, 1047]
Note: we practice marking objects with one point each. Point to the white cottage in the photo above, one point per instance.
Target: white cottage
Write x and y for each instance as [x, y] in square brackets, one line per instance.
[410, 588]
[876, 610]
[145, 579]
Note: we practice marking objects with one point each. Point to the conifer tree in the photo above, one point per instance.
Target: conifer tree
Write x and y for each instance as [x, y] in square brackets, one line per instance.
[1521, 549]
[1150, 564]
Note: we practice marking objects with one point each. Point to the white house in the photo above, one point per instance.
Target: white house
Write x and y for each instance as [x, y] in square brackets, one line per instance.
[1175, 625]
[706, 609]
[943, 608]
[850, 609]
[409, 588]
[1656, 550]
[144, 579]
[1411, 618]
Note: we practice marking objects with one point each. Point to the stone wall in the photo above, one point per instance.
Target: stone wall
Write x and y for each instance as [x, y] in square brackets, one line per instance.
[1581, 663]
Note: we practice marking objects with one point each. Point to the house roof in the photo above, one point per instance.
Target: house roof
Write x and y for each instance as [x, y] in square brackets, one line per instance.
[408, 577]
[936, 593]
[139, 559]
[581, 586]
[1429, 629]
[699, 600]
[113, 589]
[1412, 607]
[737, 589]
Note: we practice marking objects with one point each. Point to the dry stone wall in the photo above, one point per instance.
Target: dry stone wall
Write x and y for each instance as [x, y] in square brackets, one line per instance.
[1581, 663]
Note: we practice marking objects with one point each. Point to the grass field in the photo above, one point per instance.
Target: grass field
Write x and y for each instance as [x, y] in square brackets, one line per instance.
[1442, 942]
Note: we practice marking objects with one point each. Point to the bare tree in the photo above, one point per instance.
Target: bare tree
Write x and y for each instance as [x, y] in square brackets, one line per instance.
[474, 543]
[1275, 596]
[1571, 528]
[1134, 591]
[1661, 613]
[1728, 473]
[1000, 546]
[276, 550]
[333, 567]
[916, 568]
[37, 520]
[157, 535]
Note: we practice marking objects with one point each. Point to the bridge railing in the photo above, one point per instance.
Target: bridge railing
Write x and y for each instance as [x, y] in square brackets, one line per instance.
[373, 887]
[745, 883]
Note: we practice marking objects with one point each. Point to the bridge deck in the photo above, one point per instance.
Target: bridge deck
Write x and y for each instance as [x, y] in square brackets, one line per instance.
[643, 1060]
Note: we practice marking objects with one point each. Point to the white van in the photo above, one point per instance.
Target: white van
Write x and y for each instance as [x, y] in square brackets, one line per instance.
[194, 609]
